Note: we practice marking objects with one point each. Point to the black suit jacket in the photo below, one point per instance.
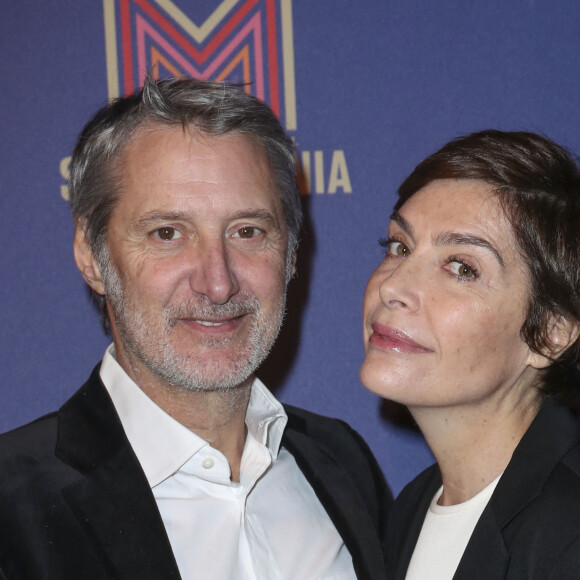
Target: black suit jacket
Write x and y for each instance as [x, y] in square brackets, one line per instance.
[531, 525]
[75, 503]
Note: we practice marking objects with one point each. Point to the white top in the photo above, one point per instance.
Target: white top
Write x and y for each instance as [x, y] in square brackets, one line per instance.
[445, 534]
[269, 526]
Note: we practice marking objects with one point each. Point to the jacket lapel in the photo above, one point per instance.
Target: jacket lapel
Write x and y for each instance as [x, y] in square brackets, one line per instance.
[341, 500]
[551, 434]
[111, 499]
[415, 505]
[486, 555]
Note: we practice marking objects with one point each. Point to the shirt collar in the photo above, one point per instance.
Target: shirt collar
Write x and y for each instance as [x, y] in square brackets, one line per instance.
[162, 444]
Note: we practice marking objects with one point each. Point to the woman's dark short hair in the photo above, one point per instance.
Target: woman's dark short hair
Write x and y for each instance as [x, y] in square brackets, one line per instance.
[213, 109]
[538, 185]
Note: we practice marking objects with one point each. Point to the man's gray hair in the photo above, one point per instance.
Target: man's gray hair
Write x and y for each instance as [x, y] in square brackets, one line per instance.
[213, 109]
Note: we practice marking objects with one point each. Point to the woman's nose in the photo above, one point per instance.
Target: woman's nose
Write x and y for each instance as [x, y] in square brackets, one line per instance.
[400, 286]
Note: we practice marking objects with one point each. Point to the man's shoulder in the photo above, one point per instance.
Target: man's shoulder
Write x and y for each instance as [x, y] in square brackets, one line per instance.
[32, 438]
[331, 453]
[29, 466]
[334, 437]
[34, 446]
[324, 429]
[304, 419]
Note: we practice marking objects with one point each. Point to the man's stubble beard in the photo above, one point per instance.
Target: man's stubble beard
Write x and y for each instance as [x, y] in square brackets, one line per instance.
[150, 342]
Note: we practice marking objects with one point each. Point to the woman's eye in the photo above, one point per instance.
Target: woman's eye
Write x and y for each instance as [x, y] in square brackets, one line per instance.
[395, 248]
[247, 232]
[399, 249]
[462, 270]
[167, 233]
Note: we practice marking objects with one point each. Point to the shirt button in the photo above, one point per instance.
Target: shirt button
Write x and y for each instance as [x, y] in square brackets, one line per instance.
[207, 463]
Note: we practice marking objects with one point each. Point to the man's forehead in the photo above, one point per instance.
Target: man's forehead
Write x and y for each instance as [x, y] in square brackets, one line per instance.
[170, 165]
[186, 145]
[193, 135]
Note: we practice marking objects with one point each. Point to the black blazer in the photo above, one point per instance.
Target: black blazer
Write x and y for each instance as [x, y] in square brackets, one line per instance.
[75, 503]
[531, 525]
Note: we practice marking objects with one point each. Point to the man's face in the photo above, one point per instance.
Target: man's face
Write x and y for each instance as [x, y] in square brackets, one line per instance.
[197, 248]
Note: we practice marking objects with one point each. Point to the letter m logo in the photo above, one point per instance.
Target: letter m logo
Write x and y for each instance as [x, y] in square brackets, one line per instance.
[239, 41]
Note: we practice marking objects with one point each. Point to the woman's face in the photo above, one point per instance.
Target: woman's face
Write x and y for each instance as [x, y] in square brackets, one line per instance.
[443, 311]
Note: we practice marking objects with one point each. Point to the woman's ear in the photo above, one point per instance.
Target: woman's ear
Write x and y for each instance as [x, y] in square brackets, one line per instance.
[85, 259]
[562, 332]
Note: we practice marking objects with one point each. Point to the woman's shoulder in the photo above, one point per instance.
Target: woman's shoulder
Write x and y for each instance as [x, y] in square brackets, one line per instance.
[537, 506]
[424, 484]
[544, 537]
[557, 502]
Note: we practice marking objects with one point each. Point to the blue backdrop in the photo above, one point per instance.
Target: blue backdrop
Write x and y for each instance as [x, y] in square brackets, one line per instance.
[375, 86]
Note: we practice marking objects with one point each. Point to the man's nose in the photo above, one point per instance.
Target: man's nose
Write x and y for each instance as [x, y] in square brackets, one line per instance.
[213, 274]
[400, 287]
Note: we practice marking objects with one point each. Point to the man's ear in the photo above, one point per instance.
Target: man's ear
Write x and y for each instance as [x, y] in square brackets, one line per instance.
[85, 259]
[294, 260]
[561, 334]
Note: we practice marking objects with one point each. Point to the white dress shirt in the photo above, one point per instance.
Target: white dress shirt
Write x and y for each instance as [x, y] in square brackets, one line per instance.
[269, 526]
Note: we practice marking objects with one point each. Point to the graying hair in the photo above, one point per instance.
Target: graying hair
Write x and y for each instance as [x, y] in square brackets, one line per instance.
[214, 109]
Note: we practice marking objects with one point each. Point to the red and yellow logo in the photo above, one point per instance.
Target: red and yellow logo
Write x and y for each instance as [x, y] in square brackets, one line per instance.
[241, 41]
[250, 42]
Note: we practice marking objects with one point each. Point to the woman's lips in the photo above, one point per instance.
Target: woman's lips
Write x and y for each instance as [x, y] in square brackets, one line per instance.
[391, 339]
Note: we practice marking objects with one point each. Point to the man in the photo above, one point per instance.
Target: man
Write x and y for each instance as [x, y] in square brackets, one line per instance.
[173, 460]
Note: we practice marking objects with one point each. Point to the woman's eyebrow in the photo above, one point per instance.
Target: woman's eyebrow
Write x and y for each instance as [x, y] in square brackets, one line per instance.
[402, 223]
[452, 238]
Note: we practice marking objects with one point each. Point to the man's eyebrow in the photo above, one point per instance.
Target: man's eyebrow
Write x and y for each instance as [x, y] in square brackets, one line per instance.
[257, 214]
[156, 217]
[452, 238]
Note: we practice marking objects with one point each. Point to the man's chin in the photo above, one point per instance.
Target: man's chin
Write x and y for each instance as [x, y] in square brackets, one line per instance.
[211, 384]
[211, 373]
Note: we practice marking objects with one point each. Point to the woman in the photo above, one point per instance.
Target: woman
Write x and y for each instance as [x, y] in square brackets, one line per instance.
[472, 321]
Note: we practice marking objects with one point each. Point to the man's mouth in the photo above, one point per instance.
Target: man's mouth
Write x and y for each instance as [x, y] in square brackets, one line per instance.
[212, 323]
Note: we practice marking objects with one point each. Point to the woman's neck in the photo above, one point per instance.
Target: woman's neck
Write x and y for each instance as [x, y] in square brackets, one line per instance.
[473, 446]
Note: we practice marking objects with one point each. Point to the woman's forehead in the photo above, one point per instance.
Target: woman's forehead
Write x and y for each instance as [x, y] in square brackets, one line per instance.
[455, 201]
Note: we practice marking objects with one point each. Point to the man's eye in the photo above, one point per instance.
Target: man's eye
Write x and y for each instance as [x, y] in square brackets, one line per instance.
[167, 233]
[247, 232]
